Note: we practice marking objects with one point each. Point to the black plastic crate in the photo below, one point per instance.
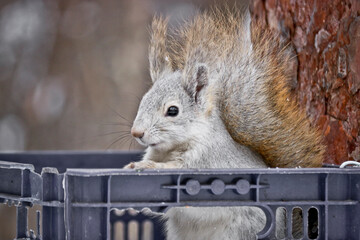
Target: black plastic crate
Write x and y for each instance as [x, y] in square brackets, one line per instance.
[78, 203]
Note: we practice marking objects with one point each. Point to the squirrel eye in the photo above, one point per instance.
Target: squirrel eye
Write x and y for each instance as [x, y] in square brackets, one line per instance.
[172, 111]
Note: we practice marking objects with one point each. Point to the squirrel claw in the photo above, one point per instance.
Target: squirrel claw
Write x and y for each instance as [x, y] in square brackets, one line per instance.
[140, 165]
[129, 166]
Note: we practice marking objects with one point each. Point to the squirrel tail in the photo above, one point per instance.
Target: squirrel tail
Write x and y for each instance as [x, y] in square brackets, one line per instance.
[267, 118]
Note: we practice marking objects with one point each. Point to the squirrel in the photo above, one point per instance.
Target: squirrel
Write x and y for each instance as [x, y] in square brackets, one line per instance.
[220, 100]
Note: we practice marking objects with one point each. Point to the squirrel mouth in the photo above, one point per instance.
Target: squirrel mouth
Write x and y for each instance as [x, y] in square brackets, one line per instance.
[154, 144]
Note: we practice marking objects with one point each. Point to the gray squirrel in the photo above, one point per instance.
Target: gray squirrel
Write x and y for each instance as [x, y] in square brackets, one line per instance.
[219, 100]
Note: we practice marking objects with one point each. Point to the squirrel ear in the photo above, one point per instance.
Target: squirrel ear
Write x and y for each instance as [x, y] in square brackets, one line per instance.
[159, 58]
[194, 83]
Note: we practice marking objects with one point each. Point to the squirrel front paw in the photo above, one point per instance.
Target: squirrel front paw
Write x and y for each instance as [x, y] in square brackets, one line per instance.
[147, 164]
[141, 165]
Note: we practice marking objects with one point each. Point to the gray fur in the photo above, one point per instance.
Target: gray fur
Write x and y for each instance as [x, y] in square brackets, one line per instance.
[204, 73]
[196, 138]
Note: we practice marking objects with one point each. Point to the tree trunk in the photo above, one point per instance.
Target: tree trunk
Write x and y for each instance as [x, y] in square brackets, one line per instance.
[326, 38]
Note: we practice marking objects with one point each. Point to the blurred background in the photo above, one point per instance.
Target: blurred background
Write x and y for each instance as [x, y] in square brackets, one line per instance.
[72, 72]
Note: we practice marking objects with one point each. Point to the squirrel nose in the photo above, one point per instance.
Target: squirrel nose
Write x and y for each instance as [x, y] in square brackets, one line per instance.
[136, 133]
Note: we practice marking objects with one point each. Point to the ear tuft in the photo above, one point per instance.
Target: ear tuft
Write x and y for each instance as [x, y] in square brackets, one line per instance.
[158, 55]
[247, 29]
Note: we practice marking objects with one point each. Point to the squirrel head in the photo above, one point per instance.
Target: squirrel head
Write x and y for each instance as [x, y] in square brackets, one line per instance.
[171, 111]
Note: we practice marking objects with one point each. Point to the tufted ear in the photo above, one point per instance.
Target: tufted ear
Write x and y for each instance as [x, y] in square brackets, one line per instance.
[247, 28]
[159, 58]
[195, 81]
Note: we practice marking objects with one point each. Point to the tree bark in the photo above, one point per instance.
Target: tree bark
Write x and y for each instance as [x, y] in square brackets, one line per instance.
[326, 38]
